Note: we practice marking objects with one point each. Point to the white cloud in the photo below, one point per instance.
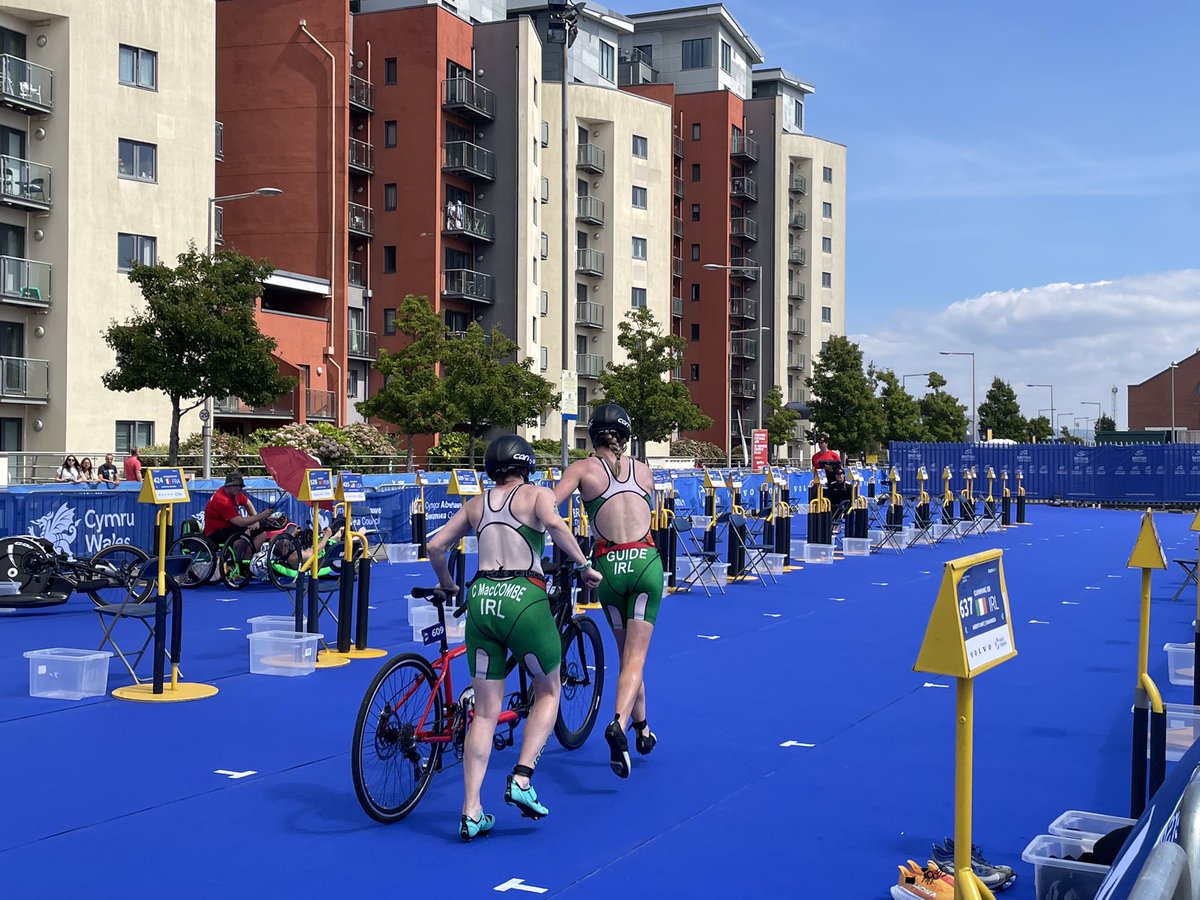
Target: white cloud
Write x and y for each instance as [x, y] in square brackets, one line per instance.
[1082, 338]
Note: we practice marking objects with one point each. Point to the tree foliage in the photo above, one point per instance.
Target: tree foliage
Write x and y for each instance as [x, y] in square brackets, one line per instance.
[843, 398]
[945, 419]
[656, 402]
[1105, 423]
[1001, 412]
[197, 336]
[901, 412]
[779, 421]
[1039, 429]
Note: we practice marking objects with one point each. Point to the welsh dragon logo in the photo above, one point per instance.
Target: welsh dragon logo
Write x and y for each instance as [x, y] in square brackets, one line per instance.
[58, 527]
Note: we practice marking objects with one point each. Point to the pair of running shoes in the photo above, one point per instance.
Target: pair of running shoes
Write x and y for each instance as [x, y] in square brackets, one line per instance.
[935, 880]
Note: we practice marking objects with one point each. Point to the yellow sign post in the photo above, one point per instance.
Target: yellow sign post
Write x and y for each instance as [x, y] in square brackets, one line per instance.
[1147, 555]
[316, 488]
[969, 632]
[349, 491]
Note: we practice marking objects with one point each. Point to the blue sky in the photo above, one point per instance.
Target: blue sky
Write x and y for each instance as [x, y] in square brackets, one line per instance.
[1004, 150]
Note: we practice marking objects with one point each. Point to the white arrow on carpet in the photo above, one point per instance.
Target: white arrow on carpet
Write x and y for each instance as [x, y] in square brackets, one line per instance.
[773, 615]
[796, 744]
[234, 776]
[934, 684]
[708, 637]
[838, 599]
[1069, 603]
[230, 628]
[1037, 622]
[227, 599]
[880, 583]
[1090, 588]
[518, 884]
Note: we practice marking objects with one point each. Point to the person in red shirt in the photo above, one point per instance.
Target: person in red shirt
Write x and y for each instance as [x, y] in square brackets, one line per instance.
[230, 511]
[133, 466]
[824, 457]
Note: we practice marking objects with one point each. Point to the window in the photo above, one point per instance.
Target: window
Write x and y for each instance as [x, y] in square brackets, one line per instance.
[695, 291]
[826, 245]
[641, 146]
[695, 212]
[695, 371]
[637, 297]
[827, 175]
[545, 360]
[545, 310]
[389, 321]
[352, 383]
[389, 197]
[726, 58]
[608, 62]
[389, 133]
[639, 197]
[827, 210]
[389, 70]
[456, 322]
[697, 53]
[826, 313]
[135, 248]
[695, 171]
[695, 253]
[545, 246]
[389, 259]
[799, 112]
[639, 248]
[137, 160]
[138, 67]
[695, 331]
[827, 279]
[133, 434]
[695, 131]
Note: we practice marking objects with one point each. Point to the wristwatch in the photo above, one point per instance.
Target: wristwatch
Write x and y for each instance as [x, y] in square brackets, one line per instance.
[587, 564]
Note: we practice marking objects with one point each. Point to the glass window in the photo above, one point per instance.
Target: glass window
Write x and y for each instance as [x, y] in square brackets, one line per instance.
[799, 111]
[137, 160]
[695, 371]
[389, 70]
[389, 321]
[827, 245]
[695, 291]
[726, 57]
[639, 248]
[389, 133]
[132, 434]
[827, 175]
[695, 212]
[138, 67]
[695, 171]
[608, 62]
[637, 297]
[695, 131]
[695, 331]
[826, 279]
[135, 248]
[827, 210]
[389, 197]
[695, 252]
[697, 53]
[389, 259]
[641, 146]
[826, 313]
[639, 197]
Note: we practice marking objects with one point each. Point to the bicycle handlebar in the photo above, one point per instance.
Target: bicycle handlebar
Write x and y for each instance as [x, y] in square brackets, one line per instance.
[438, 597]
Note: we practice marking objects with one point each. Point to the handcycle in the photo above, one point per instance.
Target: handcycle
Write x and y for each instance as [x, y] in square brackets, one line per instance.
[410, 713]
[47, 577]
[231, 559]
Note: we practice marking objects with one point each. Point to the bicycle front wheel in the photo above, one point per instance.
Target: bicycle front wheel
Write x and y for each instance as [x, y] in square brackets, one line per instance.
[582, 674]
[125, 565]
[235, 561]
[391, 759]
[202, 560]
[285, 555]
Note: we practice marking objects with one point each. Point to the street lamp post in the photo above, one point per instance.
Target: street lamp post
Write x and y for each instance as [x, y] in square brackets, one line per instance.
[758, 413]
[1057, 426]
[1174, 366]
[1053, 420]
[207, 413]
[904, 378]
[974, 408]
[1098, 413]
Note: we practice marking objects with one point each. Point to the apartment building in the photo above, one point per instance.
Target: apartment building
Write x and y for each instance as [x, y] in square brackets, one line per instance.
[107, 126]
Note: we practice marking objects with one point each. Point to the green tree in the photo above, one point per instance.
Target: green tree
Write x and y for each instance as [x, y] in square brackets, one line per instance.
[487, 386]
[1067, 438]
[901, 412]
[843, 402]
[1105, 423]
[944, 417]
[413, 397]
[197, 336]
[656, 402]
[779, 421]
[1040, 429]
[1000, 412]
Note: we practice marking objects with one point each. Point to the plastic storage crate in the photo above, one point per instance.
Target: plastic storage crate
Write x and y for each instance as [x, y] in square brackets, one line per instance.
[818, 553]
[1051, 872]
[718, 574]
[401, 553]
[287, 653]
[856, 546]
[271, 623]
[422, 617]
[1079, 825]
[775, 563]
[61, 673]
[1181, 662]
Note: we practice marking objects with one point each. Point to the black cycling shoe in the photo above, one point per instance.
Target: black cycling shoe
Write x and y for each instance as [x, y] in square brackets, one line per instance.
[644, 738]
[618, 748]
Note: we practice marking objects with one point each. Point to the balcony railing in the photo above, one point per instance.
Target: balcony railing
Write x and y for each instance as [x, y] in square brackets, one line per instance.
[743, 227]
[467, 284]
[795, 325]
[469, 98]
[355, 273]
[798, 220]
[742, 387]
[677, 373]
[590, 209]
[362, 344]
[467, 221]
[677, 185]
[24, 380]
[677, 226]
[795, 360]
[677, 306]
[796, 290]
[589, 315]
[798, 256]
[220, 140]
[677, 146]
[26, 85]
[745, 347]
[745, 267]
[589, 262]
[362, 93]
[319, 404]
[798, 184]
[633, 67]
[26, 184]
[590, 158]
[362, 156]
[283, 407]
[589, 365]
[743, 147]
[743, 307]
[465, 158]
[743, 186]
[25, 282]
[362, 219]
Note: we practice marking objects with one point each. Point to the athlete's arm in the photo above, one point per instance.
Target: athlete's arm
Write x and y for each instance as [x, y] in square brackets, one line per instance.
[440, 544]
[547, 513]
[568, 484]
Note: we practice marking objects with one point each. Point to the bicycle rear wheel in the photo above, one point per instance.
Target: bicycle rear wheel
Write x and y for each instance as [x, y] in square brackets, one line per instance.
[391, 762]
[235, 561]
[285, 555]
[582, 673]
[202, 560]
[125, 565]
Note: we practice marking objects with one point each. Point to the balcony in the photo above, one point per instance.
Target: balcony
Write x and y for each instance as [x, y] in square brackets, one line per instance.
[280, 408]
[677, 266]
[798, 256]
[356, 274]
[798, 220]
[677, 307]
[796, 290]
[362, 219]
[362, 156]
[469, 222]
[467, 284]
[220, 141]
[677, 146]
[633, 67]
[742, 147]
[589, 315]
[24, 380]
[362, 344]
[795, 360]
[26, 184]
[743, 187]
[589, 262]
[585, 415]
[743, 307]
[589, 365]
[590, 158]
[795, 325]
[798, 184]
[745, 347]
[743, 227]
[362, 94]
[319, 404]
[677, 185]
[744, 267]
[742, 387]
[469, 160]
[26, 86]
[25, 282]
[677, 226]
[590, 209]
[468, 98]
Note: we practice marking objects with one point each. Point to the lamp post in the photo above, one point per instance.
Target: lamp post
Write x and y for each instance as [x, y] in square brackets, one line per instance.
[758, 414]
[1057, 427]
[1053, 421]
[1098, 408]
[207, 413]
[1174, 366]
[974, 409]
[904, 378]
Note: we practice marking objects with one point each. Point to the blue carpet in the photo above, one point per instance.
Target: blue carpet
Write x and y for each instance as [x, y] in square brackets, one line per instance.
[111, 799]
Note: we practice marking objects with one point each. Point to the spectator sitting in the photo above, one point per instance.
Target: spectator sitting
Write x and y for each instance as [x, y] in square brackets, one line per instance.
[69, 471]
[87, 475]
[108, 471]
[133, 466]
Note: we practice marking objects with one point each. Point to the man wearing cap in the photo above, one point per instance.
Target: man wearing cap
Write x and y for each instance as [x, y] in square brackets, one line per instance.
[231, 511]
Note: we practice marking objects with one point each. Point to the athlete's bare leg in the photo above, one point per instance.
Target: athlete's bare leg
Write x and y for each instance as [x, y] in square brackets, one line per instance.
[540, 721]
[477, 749]
[630, 690]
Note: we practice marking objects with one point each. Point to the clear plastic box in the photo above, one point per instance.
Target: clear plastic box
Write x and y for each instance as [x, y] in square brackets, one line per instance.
[271, 623]
[1183, 727]
[683, 568]
[1079, 825]
[775, 563]
[422, 617]
[963, 528]
[1181, 663]
[286, 653]
[700, 523]
[818, 553]
[61, 673]
[856, 546]
[1045, 853]
[401, 553]
[938, 530]
[797, 549]
[470, 544]
[875, 536]
[717, 575]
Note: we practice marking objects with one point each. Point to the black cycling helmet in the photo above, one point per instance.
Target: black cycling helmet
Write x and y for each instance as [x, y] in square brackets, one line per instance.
[610, 418]
[508, 453]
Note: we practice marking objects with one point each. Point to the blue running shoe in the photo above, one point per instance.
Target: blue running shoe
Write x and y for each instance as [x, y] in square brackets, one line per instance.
[469, 829]
[995, 877]
[524, 799]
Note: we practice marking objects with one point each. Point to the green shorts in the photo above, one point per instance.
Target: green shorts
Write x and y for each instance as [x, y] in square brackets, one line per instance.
[632, 586]
[510, 615]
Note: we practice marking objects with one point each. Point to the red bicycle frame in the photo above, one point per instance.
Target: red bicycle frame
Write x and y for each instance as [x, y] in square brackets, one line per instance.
[445, 683]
